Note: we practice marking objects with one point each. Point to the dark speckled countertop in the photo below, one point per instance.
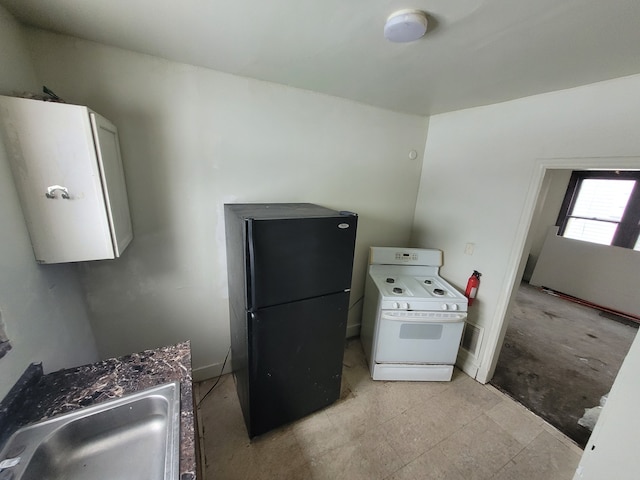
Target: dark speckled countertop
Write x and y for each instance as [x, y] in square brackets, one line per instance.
[37, 397]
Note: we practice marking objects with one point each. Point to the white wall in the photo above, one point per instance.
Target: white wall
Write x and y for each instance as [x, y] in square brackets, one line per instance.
[556, 183]
[479, 176]
[601, 274]
[193, 139]
[42, 306]
[611, 451]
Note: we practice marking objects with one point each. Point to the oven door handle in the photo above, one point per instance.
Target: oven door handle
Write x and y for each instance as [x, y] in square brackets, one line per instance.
[453, 318]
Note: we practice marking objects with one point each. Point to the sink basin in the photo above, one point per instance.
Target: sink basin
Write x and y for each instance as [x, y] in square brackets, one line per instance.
[135, 437]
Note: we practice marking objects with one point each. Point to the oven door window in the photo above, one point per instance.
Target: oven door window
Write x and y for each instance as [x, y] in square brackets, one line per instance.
[421, 331]
[402, 340]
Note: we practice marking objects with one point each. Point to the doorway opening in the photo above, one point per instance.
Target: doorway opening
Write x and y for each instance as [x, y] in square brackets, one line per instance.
[560, 358]
[534, 215]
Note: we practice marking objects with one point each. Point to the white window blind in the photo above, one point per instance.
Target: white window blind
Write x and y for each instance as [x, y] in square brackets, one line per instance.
[598, 209]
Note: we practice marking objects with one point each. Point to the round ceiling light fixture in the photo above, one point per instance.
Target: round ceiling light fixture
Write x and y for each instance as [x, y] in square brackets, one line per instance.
[405, 26]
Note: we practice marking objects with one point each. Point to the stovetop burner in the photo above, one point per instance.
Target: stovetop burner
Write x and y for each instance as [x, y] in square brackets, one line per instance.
[413, 284]
[416, 287]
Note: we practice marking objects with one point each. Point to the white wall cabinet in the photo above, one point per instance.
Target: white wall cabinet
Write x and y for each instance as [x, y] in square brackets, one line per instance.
[68, 172]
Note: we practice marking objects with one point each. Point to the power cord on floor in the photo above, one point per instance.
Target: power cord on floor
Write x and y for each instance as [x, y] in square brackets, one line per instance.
[219, 377]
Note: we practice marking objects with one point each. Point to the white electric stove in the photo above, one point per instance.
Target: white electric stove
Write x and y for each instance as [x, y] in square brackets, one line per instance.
[413, 319]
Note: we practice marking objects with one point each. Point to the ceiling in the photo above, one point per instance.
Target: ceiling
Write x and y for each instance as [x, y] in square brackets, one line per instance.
[475, 52]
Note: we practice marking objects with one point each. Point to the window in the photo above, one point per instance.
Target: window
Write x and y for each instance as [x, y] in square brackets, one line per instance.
[602, 207]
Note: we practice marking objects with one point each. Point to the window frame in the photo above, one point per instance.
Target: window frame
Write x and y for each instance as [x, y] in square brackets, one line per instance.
[628, 229]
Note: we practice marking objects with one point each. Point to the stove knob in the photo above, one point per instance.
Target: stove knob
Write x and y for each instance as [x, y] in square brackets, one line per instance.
[445, 306]
[454, 306]
[405, 306]
[396, 305]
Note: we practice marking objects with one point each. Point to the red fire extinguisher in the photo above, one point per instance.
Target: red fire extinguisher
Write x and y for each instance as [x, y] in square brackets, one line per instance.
[472, 286]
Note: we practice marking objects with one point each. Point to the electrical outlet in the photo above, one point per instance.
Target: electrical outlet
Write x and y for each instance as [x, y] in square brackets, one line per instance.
[468, 249]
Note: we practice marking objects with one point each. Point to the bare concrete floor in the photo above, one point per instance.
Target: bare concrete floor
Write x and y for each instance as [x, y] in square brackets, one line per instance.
[560, 358]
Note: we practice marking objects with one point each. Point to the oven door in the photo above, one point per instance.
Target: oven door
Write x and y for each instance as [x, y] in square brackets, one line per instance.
[419, 337]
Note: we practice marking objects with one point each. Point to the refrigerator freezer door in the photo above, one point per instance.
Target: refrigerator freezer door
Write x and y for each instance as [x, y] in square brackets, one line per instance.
[296, 258]
[295, 359]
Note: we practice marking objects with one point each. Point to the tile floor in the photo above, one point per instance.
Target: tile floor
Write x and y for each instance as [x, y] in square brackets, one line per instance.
[458, 430]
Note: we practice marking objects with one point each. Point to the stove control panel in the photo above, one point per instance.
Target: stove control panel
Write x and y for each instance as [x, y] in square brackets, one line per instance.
[406, 257]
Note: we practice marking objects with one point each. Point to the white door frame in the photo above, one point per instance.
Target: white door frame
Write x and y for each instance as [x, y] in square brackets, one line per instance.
[517, 259]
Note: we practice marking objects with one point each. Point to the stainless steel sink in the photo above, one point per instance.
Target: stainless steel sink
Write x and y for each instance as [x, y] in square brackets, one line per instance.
[135, 437]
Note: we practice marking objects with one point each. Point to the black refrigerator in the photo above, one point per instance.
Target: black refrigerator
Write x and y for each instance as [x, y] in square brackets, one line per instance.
[289, 267]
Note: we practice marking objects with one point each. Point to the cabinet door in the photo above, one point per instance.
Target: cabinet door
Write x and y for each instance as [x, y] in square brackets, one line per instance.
[112, 174]
[51, 144]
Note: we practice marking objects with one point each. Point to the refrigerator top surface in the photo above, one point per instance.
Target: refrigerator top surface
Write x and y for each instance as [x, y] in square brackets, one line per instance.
[281, 210]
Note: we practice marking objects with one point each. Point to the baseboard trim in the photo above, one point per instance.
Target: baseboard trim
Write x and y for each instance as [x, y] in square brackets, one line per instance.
[353, 330]
[210, 371]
